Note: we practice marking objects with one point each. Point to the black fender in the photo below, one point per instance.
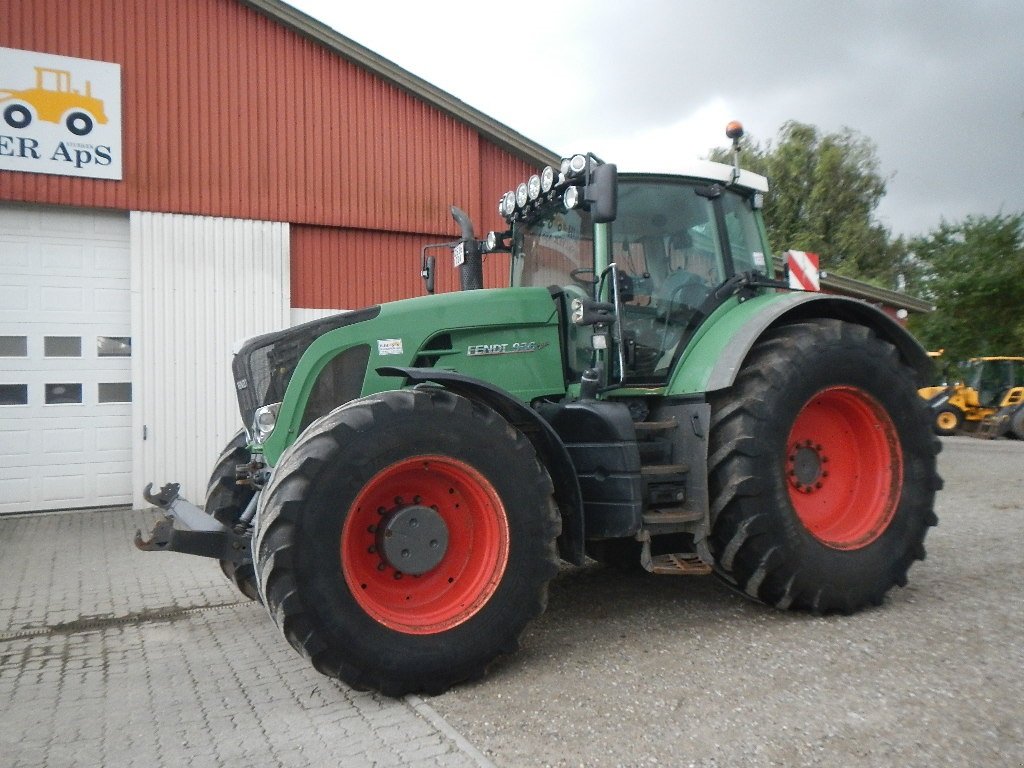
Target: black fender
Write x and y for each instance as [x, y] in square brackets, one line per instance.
[550, 449]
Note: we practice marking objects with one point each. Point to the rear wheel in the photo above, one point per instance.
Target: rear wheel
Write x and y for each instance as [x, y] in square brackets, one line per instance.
[1017, 423]
[948, 421]
[405, 541]
[822, 470]
[79, 123]
[226, 501]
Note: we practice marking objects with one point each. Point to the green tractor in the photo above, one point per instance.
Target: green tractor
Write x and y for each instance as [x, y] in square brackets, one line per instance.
[645, 393]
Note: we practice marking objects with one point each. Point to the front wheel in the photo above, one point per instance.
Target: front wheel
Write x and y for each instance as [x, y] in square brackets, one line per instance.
[822, 470]
[226, 500]
[405, 541]
[17, 116]
[948, 420]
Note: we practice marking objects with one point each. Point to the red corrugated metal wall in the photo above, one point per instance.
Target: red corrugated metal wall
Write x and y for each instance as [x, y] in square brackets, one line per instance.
[346, 269]
[229, 113]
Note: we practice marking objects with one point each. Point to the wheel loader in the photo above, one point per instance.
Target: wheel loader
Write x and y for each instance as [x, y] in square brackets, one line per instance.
[53, 100]
[985, 398]
[644, 393]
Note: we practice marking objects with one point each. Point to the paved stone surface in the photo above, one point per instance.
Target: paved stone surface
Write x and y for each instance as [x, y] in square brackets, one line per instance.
[114, 657]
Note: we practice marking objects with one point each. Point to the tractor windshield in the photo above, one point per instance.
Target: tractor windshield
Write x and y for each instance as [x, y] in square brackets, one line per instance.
[557, 249]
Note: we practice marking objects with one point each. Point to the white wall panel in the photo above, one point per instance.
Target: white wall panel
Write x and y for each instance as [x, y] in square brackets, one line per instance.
[198, 285]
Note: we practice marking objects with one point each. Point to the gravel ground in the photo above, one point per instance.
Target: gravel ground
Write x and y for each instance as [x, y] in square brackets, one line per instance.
[637, 670]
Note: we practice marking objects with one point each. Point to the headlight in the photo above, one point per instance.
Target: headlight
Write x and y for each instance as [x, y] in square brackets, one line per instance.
[264, 421]
[577, 165]
[577, 312]
[508, 204]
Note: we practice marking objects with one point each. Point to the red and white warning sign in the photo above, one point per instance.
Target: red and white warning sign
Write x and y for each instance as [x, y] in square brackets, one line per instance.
[803, 271]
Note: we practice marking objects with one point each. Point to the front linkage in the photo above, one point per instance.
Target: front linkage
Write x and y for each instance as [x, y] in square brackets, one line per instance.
[202, 535]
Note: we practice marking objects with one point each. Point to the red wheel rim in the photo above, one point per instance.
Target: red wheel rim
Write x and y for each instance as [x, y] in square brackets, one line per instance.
[844, 467]
[473, 560]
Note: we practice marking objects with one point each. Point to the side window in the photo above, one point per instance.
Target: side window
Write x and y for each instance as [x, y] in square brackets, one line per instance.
[749, 251]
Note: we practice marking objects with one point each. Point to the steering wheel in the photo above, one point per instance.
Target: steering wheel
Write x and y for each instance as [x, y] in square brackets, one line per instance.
[577, 277]
[680, 290]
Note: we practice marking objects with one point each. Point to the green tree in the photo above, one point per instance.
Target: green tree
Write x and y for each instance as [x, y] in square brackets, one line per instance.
[974, 273]
[824, 192]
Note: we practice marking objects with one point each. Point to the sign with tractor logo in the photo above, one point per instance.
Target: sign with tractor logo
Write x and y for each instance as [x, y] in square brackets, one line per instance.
[59, 115]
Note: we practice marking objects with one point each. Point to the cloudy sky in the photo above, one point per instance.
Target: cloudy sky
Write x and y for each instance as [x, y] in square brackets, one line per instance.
[938, 86]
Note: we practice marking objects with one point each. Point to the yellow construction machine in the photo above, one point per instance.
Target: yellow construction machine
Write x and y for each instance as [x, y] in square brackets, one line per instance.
[55, 101]
[984, 396]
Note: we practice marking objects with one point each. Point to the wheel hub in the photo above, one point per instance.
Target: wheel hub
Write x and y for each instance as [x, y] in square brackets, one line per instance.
[412, 539]
[806, 470]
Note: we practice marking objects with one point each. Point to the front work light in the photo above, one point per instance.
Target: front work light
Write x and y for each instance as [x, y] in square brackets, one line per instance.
[521, 195]
[533, 187]
[264, 421]
[547, 179]
[572, 198]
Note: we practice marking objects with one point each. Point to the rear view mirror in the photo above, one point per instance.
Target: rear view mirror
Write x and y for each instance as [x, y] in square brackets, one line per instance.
[428, 272]
[602, 193]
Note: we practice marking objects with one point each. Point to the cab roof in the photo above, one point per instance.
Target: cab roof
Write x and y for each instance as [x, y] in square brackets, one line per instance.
[710, 171]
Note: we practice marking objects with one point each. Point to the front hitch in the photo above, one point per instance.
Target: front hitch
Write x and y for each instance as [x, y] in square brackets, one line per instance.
[202, 535]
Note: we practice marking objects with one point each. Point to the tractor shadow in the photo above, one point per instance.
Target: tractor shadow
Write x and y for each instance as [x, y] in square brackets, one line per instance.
[595, 611]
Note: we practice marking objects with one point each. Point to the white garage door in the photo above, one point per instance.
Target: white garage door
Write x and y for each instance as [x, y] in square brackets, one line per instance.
[65, 359]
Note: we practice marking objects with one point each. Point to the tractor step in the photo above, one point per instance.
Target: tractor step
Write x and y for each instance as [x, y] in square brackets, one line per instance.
[672, 564]
[681, 564]
[655, 426]
[670, 519]
[662, 470]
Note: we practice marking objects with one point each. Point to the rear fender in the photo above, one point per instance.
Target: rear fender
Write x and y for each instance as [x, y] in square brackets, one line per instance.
[715, 359]
[542, 436]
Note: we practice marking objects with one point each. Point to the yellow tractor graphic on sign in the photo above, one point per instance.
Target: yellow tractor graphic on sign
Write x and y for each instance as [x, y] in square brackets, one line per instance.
[55, 101]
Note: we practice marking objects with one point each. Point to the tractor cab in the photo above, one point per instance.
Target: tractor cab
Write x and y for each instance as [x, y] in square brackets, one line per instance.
[643, 258]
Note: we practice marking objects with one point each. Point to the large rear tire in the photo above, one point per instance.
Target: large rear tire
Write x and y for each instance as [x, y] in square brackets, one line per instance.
[405, 541]
[1017, 423]
[822, 470]
[226, 501]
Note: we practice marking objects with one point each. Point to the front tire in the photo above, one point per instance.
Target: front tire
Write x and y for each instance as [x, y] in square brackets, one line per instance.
[405, 541]
[226, 500]
[822, 470]
[948, 420]
[18, 116]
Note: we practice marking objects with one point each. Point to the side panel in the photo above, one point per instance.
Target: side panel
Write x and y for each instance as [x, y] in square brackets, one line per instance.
[508, 337]
[716, 354]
